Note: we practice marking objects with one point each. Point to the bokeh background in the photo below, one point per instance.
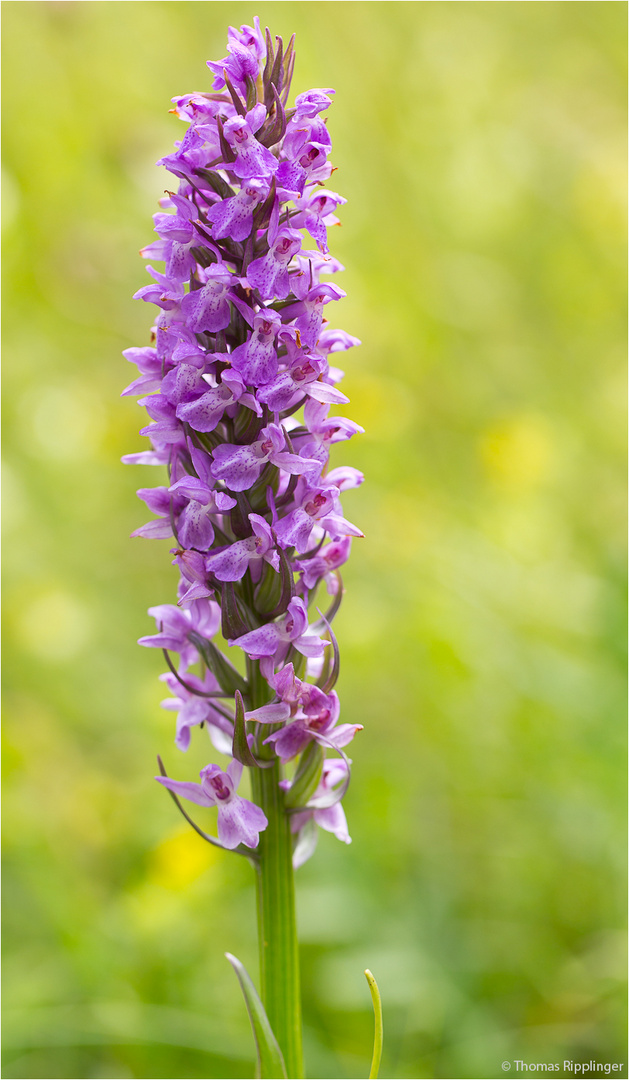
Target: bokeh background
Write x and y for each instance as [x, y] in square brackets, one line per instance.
[481, 148]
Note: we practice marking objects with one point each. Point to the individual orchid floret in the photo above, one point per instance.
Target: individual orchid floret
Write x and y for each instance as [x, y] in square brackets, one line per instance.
[203, 617]
[269, 274]
[206, 411]
[194, 525]
[317, 214]
[304, 155]
[193, 707]
[291, 629]
[246, 49]
[303, 378]
[194, 579]
[160, 502]
[164, 428]
[165, 291]
[252, 158]
[191, 153]
[311, 103]
[231, 564]
[150, 367]
[331, 818]
[256, 359]
[316, 720]
[239, 821]
[318, 505]
[208, 308]
[182, 383]
[322, 566]
[240, 466]
[309, 311]
[250, 37]
[307, 267]
[324, 431]
[177, 238]
[331, 341]
[233, 217]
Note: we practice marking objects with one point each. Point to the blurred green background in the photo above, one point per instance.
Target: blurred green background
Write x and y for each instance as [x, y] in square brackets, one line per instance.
[481, 148]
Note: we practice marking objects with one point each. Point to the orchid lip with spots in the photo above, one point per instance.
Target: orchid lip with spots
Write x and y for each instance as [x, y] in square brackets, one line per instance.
[239, 390]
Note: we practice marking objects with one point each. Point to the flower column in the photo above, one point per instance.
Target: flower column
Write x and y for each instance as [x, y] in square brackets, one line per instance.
[238, 387]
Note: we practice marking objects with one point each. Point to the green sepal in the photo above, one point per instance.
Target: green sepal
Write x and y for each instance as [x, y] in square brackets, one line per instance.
[227, 153]
[232, 623]
[262, 211]
[331, 665]
[289, 53]
[247, 425]
[229, 679]
[269, 477]
[240, 746]
[307, 777]
[332, 611]
[268, 590]
[277, 127]
[275, 593]
[239, 104]
[215, 180]
[252, 93]
[239, 516]
[277, 73]
[270, 1064]
[207, 440]
[298, 660]
[270, 57]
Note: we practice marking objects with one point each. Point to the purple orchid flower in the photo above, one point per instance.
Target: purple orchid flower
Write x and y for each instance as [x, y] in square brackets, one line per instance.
[317, 214]
[304, 377]
[177, 237]
[202, 616]
[165, 292]
[194, 579]
[291, 629]
[239, 821]
[269, 275]
[238, 386]
[319, 505]
[150, 367]
[240, 466]
[309, 311]
[246, 48]
[311, 103]
[233, 217]
[231, 563]
[315, 715]
[193, 709]
[206, 412]
[208, 307]
[256, 359]
[330, 818]
[192, 152]
[322, 566]
[252, 158]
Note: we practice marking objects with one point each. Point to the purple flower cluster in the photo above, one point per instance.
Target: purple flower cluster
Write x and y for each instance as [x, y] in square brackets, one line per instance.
[238, 387]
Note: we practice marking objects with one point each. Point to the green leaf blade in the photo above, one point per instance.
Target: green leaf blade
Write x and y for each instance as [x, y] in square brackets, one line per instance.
[270, 1065]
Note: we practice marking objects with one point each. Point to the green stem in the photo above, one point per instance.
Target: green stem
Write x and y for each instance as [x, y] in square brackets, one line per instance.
[277, 928]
